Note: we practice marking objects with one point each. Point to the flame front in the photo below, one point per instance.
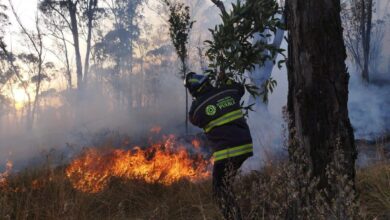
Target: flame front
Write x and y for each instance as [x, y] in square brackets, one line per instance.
[164, 163]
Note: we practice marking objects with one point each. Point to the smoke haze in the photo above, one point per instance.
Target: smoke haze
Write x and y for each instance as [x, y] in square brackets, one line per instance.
[77, 120]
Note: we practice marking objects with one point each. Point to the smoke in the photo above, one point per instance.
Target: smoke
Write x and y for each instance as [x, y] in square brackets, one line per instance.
[77, 120]
[268, 126]
[369, 106]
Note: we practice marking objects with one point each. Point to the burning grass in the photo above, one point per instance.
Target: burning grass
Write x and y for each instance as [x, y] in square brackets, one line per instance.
[47, 193]
[164, 162]
[56, 198]
[168, 179]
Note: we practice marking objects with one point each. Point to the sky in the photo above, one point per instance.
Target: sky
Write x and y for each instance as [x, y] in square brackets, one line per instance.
[26, 9]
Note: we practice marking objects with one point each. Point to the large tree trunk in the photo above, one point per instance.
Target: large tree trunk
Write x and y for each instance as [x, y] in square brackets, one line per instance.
[75, 33]
[318, 85]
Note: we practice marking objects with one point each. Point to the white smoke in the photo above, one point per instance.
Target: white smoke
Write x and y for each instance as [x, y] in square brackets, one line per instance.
[369, 108]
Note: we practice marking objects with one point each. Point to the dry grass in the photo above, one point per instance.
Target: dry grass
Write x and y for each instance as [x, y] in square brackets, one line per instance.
[54, 198]
[45, 193]
[373, 184]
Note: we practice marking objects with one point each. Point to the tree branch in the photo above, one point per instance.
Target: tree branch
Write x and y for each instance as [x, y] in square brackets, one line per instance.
[220, 5]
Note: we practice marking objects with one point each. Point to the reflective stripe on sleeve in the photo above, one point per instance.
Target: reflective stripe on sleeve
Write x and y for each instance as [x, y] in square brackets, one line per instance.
[233, 152]
[224, 119]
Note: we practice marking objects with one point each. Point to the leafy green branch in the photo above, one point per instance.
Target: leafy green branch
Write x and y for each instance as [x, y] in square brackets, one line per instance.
[231, 51]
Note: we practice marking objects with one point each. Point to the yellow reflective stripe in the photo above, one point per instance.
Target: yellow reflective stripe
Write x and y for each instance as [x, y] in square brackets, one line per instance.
[233, 149]
[231, 116]
[233, 155]
[222, 121]
[193, 80]
[233, 152]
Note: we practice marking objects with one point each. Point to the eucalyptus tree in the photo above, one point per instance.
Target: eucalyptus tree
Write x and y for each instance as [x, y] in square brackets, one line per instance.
[363, 34]
[117, 44]
[74, 13]
[318, 97]
[114, 51]
[36, 58]
[4, 21]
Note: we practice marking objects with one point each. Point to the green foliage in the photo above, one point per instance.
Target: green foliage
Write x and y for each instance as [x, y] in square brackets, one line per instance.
[268, 87]
[231, 51]
[116, 46]
[180, 25]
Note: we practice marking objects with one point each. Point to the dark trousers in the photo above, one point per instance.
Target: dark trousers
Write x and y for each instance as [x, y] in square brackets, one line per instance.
[223, 177]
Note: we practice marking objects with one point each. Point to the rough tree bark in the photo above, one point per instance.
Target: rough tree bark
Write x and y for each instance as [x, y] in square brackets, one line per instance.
[318, 85]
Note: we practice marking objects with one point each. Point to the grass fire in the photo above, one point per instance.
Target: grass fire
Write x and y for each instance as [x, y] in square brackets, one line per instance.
[163, 162]
[194, 109]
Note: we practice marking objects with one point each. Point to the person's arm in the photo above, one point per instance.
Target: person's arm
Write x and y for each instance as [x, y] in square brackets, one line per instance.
[191, 114]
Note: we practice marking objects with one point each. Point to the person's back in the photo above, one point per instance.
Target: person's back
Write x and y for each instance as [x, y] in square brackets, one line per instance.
[218, 112]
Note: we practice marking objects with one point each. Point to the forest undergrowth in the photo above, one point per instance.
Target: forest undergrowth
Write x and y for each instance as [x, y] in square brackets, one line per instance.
[271, 193]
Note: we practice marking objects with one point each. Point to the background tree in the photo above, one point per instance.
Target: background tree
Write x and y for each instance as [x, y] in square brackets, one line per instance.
[36, 59]
[73, 13]
[180, 25]
[90, 13]
[363, 34]
[4, 76]
[366, 20]
[68, 10]
[6, 73]
[56, 29]
[114, 51]
[318, 88]
[117, 44]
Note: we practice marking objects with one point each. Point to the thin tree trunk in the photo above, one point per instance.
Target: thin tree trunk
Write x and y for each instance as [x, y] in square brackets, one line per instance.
[68, 71]
[184, 75]
[38, 47]
[186, 111]
[367, 26]
[91, 11]
[88, 53]
[318, 85]
[37, 90]
[75, 33]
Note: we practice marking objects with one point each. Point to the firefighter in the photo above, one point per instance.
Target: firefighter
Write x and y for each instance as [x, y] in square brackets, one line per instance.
[217, 111]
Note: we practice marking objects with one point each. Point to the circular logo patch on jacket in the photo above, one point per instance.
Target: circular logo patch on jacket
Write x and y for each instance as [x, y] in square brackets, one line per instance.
[211, 110]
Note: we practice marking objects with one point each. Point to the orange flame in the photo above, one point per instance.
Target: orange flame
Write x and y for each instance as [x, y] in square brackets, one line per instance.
[5, 174]
[163, 163]
[196, 143]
